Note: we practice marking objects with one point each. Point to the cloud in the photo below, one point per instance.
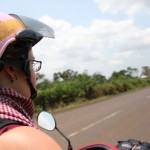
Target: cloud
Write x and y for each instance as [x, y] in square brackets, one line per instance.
[130, 7]
[124, 54]
[115, 62]
[104, 46]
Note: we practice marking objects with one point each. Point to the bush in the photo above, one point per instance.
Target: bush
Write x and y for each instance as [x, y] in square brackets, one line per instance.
[108, 89]
[83, 86]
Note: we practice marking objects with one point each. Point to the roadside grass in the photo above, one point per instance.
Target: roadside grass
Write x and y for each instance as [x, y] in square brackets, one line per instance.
[76, 104]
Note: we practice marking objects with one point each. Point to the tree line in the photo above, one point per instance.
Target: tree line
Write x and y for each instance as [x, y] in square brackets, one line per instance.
[70, 86]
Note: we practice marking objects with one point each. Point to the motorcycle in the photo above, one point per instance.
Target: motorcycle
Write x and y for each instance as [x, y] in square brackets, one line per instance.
[47, 121]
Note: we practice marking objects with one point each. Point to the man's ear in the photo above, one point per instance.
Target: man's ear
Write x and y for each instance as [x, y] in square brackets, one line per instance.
[10, 71]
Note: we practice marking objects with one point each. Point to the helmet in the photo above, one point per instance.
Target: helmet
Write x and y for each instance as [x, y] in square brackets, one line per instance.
[14, 27]
[17, 28]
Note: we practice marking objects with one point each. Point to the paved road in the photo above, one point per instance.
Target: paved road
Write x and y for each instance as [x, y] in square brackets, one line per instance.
[120, 118]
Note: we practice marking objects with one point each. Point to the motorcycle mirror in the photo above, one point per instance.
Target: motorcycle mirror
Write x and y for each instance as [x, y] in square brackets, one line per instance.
[46, 121]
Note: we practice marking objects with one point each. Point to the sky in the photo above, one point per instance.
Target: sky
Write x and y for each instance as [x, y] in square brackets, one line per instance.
[100, 36]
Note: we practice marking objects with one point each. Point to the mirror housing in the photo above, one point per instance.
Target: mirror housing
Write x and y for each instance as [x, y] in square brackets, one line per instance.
[46, 121]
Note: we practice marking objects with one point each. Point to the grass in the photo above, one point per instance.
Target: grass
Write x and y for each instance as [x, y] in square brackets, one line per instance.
[76, 104]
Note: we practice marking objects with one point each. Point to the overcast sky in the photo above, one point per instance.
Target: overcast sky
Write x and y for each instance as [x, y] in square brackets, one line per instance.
[95, 35]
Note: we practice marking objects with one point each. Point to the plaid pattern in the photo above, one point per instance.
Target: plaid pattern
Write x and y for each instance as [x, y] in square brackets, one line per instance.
[16, 107]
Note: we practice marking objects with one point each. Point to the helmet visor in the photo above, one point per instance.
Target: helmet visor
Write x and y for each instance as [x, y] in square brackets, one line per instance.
[15, 27]
[35, 25]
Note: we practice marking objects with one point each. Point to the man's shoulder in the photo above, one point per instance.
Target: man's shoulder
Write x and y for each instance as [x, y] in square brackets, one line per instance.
[27, 138]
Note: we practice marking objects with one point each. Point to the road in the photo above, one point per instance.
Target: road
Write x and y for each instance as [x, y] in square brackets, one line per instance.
[119, 118]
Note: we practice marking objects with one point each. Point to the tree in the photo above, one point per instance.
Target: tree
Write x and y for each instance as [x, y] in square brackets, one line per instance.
[145, 71]
[43, 85]
[99, 78]
[116, 75]
[65, 76]
[41, 77]
[131, 72]
[56, 77]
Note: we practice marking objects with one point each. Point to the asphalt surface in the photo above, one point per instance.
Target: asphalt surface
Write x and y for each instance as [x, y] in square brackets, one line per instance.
[119, 118]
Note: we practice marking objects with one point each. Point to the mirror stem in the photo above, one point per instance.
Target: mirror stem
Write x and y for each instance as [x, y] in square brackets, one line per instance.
[69, 143]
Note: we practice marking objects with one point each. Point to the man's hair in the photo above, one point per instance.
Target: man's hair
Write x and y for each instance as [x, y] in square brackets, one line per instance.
[17, 50]
[15, 55]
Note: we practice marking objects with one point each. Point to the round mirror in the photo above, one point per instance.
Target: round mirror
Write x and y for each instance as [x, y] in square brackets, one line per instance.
[46, 121]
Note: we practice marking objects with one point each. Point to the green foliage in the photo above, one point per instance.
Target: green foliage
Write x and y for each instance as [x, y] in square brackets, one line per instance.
[44, 84]
[99, 78]
[70, 86]
[64, 76]
[41, 100]
[118, 75]
[108, 89]
[66, 92]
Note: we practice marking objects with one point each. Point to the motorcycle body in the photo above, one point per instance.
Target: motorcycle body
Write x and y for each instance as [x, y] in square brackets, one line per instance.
[99, 146]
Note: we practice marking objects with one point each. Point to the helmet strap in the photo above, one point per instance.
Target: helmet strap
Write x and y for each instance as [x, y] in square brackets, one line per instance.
[33, 90]
[1, 67]
[28, 74]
